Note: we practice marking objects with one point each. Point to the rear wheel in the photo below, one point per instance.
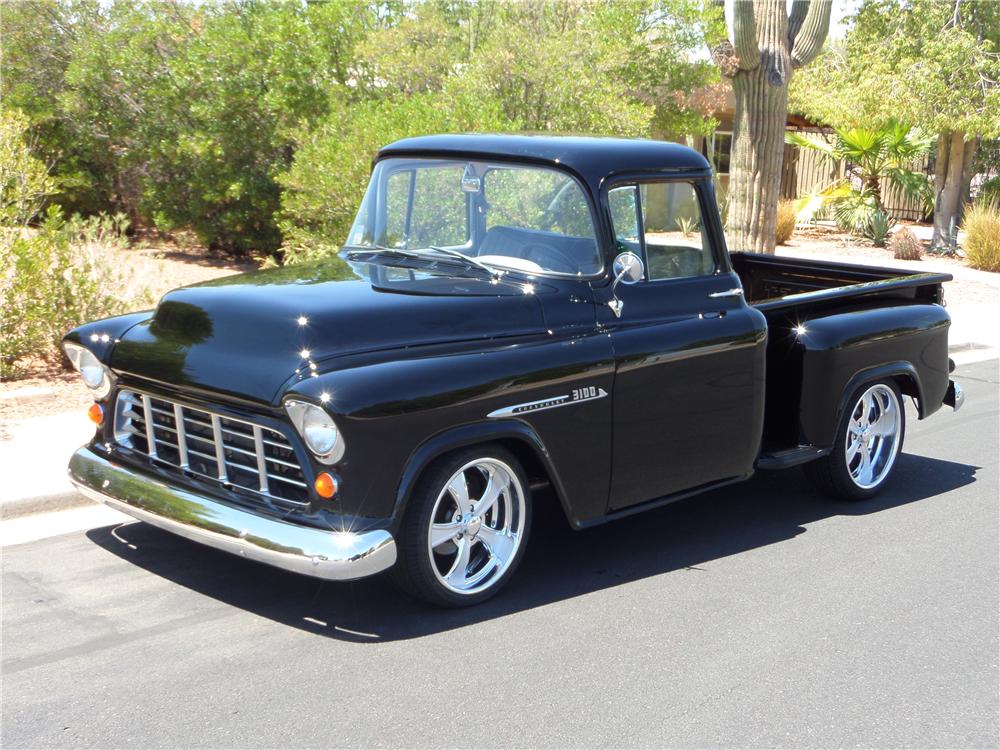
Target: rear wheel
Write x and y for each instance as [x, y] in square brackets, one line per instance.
[868, 442]
[465, 528]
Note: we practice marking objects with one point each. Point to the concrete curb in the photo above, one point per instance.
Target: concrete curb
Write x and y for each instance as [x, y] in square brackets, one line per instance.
[29, 506]
[967, 355]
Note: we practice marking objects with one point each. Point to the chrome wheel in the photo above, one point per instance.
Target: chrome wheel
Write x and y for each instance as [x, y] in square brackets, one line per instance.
[873, 435]
[476, 527]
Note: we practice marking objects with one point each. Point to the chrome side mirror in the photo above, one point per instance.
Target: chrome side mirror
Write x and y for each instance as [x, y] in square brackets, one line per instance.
[627, 269]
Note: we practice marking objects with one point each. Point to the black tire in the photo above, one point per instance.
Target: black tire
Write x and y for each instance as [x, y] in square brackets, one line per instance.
[831, 474]
[417, 570]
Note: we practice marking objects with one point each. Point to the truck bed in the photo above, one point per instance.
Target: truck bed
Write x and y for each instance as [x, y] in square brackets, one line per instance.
[898, 310]
[773, 284]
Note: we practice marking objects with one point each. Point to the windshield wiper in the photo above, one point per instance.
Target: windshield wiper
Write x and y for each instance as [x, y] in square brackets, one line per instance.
[355, 251]
[467, 259]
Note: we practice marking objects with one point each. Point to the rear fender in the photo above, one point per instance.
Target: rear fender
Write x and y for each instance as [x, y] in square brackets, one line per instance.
[907, 343]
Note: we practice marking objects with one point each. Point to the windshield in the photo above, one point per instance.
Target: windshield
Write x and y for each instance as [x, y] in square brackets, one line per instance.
[519, 217]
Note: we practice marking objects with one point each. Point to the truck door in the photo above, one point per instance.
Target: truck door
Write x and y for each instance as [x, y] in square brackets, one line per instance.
[689, 352]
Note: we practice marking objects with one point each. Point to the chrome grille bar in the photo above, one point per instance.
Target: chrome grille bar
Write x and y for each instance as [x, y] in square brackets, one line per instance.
[182, 447]
[147, 411]
[258, 442]
[220, 448]
[236, 452]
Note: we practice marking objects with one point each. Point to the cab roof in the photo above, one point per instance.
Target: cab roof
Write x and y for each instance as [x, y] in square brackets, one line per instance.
[593, 158]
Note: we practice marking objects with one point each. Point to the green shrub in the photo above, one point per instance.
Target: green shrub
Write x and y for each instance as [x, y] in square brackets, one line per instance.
[989, 191]
[786, 221]
[24, 180]
[56, 277]
[981, 223]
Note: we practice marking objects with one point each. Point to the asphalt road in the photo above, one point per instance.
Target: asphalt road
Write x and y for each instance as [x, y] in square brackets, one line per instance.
[757, 615]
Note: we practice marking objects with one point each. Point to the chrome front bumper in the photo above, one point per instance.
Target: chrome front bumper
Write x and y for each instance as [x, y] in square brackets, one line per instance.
[337, 556]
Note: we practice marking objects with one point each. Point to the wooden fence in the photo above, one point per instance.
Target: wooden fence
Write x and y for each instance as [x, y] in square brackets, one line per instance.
[805, 171]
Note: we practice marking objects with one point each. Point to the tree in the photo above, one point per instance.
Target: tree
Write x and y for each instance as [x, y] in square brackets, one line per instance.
[24, 180]
[932, 64]
[326, 182]
[768, 44]
[180, 114]
[553, 65]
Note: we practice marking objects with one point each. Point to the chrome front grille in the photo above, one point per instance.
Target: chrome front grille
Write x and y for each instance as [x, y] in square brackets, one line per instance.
[231, 451]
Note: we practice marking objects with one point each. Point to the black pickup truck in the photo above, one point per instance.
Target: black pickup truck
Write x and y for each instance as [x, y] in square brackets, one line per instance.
[508, 312]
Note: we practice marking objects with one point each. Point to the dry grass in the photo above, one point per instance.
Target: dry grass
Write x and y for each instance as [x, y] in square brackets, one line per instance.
[982, 236]
[786, 221]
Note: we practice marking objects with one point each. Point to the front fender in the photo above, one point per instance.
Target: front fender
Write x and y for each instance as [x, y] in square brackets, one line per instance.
[100, 336]
[398, 414]
[507, 432]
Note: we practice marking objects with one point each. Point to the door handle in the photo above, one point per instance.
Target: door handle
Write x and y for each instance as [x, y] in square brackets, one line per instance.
[737, 292]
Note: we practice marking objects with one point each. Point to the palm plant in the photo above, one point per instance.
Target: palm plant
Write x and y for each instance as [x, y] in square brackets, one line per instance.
[873, 155]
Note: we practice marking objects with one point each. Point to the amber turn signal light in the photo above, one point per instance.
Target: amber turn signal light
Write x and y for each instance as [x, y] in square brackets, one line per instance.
[96, 413]
[326, 485]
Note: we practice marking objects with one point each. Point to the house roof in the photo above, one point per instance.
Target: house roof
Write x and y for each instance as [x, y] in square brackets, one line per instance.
[592, 157]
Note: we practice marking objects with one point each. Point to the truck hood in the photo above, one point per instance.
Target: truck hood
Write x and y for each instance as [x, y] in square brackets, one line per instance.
[247, 335]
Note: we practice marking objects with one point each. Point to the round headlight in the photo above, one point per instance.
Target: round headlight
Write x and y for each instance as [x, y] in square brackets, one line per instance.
[317, 430]
[95, 374]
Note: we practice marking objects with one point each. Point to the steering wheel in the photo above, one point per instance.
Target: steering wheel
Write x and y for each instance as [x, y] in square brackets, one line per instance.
[549, 258]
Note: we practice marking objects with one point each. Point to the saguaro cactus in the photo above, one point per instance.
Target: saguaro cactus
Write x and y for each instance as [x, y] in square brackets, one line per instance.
[768, 44]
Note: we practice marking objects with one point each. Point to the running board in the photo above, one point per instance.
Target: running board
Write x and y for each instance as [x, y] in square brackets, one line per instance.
[791, 457]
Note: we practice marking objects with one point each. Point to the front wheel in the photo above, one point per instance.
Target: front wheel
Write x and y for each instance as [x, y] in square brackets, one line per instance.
[465, 528]
[868, 441]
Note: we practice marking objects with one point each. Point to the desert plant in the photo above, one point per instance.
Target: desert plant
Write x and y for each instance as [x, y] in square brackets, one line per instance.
[815, 203]
[905, 245]
[981, 223]
[878, 228]
[786, 221]
[854, 212]
[722, 201]
[686, 225]
[767, 45]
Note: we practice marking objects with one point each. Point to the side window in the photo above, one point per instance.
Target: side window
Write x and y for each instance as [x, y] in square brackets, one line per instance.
[674, 241]
[624, 204]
